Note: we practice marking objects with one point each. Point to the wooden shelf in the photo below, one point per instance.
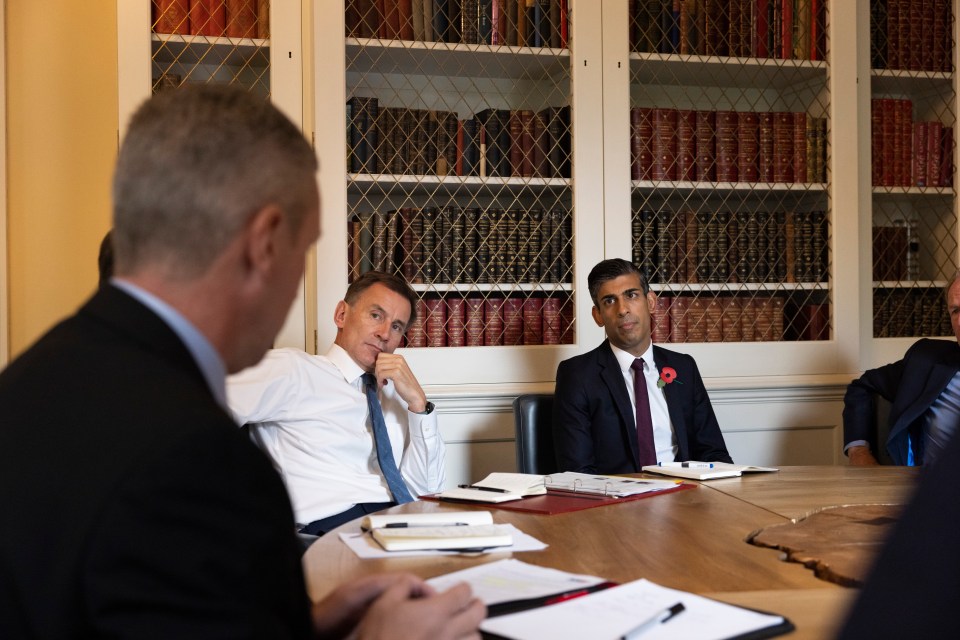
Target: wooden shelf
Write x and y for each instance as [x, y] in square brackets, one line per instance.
[715, 71]
[234, 52]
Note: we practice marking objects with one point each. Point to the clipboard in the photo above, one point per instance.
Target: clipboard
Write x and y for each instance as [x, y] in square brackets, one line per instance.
[554, 502]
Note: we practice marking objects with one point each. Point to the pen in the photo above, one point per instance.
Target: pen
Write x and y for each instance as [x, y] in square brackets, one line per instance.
[514, 606]
[407, 525]
[658, 618]
[473, 486]
[687, 465]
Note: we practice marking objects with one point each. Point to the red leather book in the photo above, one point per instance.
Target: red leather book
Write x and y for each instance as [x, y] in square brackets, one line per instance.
[713, 317]
[435, 320]
[456, 322]
[921, 130]
[263, 17]
[706, 168]
[635, 143]
[732, 309]
[513, 321]
[171, 16]
[786, 32]
[664, 144]
[946, 155]
[783, 146]
[763, 326]
[727, 146]
[876, 143]
[552, 320]
[800, 146]
[748, 150]
[686, 145]
[473, 321]
[748, 320]
[417, 331]
[516, 152]
[493, 321]
[568, 332]
[208, 18]
[765, 153]
[915, 36]
[696, 318]
[888, 133]
[761, 27]
[533, 321]
[942, 40]
[241, 18]
[934, 153]
[678, 318]
[644, 134]
[660, 320]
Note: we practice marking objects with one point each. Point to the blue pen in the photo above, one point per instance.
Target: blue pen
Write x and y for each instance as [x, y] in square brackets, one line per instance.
[659, 618]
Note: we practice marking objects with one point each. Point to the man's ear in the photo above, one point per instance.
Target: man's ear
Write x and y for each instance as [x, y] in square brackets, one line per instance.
[596, 316]
[340, 314]
[262, 238]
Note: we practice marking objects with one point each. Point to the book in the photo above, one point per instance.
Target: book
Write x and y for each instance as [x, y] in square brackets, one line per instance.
[241, 18]
[171, 16]
[693, 470]
[498, 487]
[472, 537]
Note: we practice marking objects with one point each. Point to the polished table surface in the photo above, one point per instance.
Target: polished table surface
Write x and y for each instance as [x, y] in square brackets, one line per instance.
[692, 540]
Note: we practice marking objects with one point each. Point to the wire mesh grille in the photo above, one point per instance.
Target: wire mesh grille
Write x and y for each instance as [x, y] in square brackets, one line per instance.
[459, 157]
[913, 122]
[730, 152]
[221, 41]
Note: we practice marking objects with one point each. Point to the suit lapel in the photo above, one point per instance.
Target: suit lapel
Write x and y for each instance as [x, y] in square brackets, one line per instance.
[940, 375]
[674, 395]
[612, 376]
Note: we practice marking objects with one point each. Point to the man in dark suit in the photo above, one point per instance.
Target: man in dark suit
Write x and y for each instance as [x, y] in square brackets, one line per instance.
[924, 391]
[132, 505]
[913, 588]
[596, 416]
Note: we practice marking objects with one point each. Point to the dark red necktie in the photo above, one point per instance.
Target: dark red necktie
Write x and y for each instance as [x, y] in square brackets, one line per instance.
[645, 449]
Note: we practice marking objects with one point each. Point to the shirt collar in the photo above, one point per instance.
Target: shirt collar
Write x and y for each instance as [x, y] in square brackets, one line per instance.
[625, 359]
[349, 369]
[208, 360]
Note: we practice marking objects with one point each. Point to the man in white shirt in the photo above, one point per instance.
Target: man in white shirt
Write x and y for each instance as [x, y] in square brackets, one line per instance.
[310, 413]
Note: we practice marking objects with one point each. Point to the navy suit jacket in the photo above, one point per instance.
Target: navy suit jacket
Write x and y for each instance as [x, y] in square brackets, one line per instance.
[132, 506]
[910, 385]
[594, 422]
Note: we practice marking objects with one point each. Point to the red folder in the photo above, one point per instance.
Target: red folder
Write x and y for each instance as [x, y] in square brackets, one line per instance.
[557, 502]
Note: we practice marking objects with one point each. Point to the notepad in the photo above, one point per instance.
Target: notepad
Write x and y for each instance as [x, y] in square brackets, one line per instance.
[607, 486]
[426, 519]
[694, 470]
[499, 487]
[463, 537]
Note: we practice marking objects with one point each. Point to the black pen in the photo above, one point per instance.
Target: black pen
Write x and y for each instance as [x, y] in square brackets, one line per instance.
[659, 618]
[407, 525]
[473, 486]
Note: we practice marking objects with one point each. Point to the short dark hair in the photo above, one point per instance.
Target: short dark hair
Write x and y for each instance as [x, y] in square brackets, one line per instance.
[391, 281]
[607, 270]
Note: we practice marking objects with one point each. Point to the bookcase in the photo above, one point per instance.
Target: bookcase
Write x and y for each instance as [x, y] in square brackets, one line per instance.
[253, 43]
[913, 124]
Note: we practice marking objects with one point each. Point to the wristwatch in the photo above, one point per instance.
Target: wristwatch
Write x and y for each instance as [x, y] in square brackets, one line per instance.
[427, 411]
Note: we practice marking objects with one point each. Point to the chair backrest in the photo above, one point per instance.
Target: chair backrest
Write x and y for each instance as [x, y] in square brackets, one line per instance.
[533, 422]
[881, 426]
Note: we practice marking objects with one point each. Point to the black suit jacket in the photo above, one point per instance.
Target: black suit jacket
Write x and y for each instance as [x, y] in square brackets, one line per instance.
[131, 505]
[910, 385]
[594, 422]
[913, 588]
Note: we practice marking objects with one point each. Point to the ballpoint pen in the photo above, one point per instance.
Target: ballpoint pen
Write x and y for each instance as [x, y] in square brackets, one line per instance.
[492, 489]
[659, 618]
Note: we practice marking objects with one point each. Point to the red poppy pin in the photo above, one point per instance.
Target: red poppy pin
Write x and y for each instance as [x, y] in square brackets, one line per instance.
[667, 375]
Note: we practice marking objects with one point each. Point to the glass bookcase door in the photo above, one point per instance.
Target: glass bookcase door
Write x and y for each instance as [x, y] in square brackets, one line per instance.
[460, 165]
[913, 118]
[729, 165]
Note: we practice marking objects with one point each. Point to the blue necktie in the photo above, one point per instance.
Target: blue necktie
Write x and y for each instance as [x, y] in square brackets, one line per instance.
[384, 452]
[942, 421]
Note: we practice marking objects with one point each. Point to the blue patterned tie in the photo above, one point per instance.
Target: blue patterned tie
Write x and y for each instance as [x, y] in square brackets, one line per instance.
[384, 451]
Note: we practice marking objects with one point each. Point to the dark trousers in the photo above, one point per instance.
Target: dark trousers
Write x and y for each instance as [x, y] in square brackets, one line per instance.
[320, 527]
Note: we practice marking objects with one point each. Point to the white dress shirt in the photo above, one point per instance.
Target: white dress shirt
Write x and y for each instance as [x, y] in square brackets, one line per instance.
[309, 414]
[663, 438]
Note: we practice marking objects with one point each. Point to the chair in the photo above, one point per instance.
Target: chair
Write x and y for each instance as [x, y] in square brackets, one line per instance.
[533, 422]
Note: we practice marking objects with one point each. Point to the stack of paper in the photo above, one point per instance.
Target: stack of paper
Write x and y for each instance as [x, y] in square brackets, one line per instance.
[694, 470]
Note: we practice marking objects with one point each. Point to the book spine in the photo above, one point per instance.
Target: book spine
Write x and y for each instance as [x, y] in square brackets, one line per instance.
[706, 170]
[456, 321]
[416, 335]
[664, 144]
[727, 146]
[748, 151]
[171, 16]
[241, 18]
[473, 321]
[513, 321]
[493, 321]
[533, 321]
[552, 321]
[435, 321]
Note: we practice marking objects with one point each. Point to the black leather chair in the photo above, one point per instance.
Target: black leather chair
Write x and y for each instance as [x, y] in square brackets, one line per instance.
[533, 422]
